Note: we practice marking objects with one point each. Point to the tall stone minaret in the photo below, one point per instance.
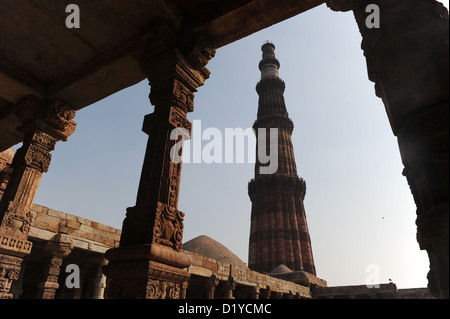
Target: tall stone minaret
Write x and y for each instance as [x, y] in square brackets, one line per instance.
[279, 232]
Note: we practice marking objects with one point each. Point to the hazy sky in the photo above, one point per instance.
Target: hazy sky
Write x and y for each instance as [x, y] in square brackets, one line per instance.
[359, 207]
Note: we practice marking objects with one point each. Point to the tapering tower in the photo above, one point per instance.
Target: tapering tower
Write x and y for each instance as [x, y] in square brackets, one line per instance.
[279, 232]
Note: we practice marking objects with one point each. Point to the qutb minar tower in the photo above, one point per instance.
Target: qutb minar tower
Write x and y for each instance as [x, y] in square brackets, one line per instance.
[279, 233]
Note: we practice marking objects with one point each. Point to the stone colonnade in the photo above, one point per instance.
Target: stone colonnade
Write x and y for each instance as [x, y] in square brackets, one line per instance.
[212, 288]
[45, 273]
[64, 247]
[407, 58]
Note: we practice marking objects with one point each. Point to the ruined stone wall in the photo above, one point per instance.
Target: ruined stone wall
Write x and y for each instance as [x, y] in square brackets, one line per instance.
[49, 225]
[84, 233]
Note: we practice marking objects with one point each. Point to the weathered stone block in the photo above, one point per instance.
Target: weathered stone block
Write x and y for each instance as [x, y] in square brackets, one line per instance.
[36, 208]
[47, 222]
[108, 242]
[73, 224]
[100, 226]
[84, 221]
[55, 213]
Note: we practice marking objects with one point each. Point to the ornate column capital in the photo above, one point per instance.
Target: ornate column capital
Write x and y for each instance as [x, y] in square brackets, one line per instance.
[57, 249]
[173, 80]
[199, 52]
[210, 285]
[44, 123]
[55, 117]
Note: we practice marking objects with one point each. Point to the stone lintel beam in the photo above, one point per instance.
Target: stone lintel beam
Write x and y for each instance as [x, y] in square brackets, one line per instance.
[408, 60]
[44, 123]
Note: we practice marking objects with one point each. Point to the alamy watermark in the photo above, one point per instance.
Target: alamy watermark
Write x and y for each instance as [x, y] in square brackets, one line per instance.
[73, 19]
[73, 279]
[373, 19]
[230, 147]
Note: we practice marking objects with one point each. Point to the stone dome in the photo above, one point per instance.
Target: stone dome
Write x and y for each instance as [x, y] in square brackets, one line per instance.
[211, 248]
[280, 269]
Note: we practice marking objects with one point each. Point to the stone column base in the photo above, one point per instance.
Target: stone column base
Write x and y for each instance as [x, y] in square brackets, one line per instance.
[145, 272]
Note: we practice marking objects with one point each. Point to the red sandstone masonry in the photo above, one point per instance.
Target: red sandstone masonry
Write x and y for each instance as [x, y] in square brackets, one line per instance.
[243, 275]
[77, 227]
[81, 228]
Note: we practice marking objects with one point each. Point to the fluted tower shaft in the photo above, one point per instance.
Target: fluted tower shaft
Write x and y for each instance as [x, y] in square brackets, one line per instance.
[279, 231]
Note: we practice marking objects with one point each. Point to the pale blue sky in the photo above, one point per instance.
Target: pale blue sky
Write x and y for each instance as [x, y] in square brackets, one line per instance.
[359, 207]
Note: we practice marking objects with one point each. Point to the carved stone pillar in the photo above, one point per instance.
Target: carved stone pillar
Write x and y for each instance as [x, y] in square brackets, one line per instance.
[210, 286]
[100, 283]
[45, 123]
[407, 58]
[16, 286]
[52, 254]
[149, 262]
[227, 288]
[255, 292]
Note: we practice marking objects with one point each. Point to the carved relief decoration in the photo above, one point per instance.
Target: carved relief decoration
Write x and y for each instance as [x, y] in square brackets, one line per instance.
[15, 244]
[37, 157]
[172, 93]
[159, 289]
[179, 120]
[16, 219]
[201, 52]
[183, 98]
[138, 288]
[168, 228]
[61, 116]
[56, 114]
[44, 139]
[9, 271]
